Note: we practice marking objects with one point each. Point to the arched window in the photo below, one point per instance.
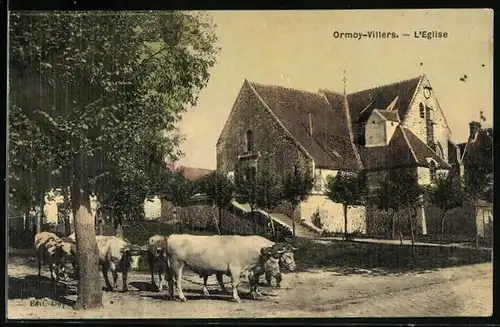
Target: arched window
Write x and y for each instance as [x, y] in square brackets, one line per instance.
[422, 110]
[249, 141]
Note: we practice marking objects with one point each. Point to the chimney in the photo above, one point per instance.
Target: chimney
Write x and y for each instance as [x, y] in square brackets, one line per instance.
[310, 124]
[474, 127]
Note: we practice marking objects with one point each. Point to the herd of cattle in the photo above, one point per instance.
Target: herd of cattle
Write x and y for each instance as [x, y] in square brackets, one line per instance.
[231, 255]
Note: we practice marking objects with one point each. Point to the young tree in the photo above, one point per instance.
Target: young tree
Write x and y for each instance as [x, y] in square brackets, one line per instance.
[346, 188]
[219, 189]
[101, 88]
[268, 194]
[179, 191]
[446, 193]
[400, 192]
[296, 188]
[246, 189]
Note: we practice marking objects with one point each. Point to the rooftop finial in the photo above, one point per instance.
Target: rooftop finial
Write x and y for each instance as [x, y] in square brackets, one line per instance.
[344, 80]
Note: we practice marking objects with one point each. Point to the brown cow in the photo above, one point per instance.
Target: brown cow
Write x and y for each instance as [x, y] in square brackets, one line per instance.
[54, 251]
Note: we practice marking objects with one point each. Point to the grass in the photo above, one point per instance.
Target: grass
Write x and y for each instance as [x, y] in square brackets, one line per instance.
[447, 239]
[389, 258]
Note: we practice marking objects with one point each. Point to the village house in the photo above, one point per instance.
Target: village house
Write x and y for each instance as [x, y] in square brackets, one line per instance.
[480, 139]
[400, 125]
[479, 147]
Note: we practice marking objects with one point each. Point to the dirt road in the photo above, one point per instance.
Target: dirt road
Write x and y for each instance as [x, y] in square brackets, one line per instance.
[458, 291]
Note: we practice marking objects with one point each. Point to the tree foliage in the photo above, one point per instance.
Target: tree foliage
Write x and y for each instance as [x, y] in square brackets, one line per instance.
[180, 190]
[296, 188]
[220, 191]
[246, 186]
[108, 88]
[269, 192]
[446, 192]
[478, 164]
[101, 94]
[347, 188]
[400, 192]
[218, 188]
[257, 189]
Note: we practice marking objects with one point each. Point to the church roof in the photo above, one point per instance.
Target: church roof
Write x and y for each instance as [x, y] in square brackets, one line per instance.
[389, 115]
[334, 116]
[362, 103]
[404, 150]
[329, 144]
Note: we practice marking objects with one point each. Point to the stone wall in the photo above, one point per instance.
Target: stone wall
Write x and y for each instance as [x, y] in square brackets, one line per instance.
[332, 215]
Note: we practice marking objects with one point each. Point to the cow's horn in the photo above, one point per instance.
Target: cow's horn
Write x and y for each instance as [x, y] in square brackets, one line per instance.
[293, 248]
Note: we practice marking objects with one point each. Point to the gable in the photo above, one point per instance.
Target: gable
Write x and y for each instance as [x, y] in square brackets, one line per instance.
[404, 150]
[413, 115]
[389, 115]
[396, 154]
[239, 98]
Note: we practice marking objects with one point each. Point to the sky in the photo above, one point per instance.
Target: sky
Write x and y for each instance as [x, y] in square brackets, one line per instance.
[297, 49]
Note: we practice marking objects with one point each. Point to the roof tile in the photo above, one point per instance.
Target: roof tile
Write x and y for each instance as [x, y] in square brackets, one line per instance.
[330, 132]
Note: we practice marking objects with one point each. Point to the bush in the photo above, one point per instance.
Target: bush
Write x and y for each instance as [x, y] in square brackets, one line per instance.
[316, 220]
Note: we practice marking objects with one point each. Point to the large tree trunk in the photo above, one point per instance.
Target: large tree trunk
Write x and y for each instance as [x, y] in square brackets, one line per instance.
[87, 255]
[293, 220]
[344, 206]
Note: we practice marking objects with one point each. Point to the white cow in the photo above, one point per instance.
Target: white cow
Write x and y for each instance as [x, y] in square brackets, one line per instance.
[117, 254]
[232, 255]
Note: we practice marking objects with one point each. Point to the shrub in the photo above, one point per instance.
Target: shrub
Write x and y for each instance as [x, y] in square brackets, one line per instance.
[316, 220]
